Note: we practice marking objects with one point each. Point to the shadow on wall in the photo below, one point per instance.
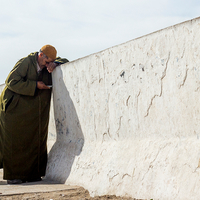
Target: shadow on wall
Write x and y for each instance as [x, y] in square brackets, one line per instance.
[70, 139]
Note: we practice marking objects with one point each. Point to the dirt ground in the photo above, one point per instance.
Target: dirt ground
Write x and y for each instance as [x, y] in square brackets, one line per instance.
[73, 194]
[52, 191]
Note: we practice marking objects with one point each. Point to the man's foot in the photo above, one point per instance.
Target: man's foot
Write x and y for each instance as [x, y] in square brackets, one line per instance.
[14, 181]
[34, 180]
[19, 181]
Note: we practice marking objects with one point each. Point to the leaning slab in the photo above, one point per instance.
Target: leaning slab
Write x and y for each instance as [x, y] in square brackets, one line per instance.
[127, 118]
[125, 121]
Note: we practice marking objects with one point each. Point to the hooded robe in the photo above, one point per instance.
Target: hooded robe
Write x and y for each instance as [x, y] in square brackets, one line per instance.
[24, 118]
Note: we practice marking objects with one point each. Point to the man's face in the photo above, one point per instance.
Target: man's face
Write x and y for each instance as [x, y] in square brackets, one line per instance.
[45, 61]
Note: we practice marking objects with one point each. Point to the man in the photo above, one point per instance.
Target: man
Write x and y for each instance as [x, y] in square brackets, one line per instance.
[24, 116]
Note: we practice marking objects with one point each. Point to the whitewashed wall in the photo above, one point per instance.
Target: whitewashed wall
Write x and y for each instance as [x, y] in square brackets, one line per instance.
[128, 118]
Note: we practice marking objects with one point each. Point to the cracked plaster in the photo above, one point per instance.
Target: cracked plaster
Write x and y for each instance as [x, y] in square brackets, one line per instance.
[125, 121]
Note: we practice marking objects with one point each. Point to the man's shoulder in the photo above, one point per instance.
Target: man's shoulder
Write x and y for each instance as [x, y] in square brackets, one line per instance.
[31, 58]
[26, 61]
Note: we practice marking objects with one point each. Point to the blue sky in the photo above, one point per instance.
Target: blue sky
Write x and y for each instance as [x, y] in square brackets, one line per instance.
[78, 28]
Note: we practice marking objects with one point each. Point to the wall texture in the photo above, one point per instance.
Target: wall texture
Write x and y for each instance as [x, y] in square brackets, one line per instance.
[128, 118]
[125, 121]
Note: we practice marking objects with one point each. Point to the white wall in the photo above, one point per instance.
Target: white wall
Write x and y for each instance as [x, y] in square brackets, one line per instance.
[127, 118]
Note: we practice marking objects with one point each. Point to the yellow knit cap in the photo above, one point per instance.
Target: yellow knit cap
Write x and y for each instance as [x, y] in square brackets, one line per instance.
[49, 51]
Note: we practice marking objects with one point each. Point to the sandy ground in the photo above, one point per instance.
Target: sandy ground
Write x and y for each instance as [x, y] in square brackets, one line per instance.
[47, 190]
[76, 194]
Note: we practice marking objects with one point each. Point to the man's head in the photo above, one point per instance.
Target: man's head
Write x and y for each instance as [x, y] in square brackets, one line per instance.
[46, 55]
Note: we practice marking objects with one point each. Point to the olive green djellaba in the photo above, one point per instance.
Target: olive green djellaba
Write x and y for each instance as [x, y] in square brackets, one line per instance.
[24, 118]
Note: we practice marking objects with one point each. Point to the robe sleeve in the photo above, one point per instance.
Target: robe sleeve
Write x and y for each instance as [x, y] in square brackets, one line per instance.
[16, 80]
[60, 60]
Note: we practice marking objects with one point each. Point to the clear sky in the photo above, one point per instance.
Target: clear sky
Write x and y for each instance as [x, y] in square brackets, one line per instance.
[78, 28]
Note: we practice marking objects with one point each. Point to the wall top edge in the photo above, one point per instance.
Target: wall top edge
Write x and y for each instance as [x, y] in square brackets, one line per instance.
[160, 30]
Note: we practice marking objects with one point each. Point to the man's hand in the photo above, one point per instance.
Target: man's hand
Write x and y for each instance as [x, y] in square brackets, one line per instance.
[42, 86]
[51, 66]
